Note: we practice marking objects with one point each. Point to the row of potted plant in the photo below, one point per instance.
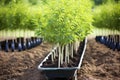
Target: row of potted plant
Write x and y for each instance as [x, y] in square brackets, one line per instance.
[16, 18]
[19, 44]
[107, 17]
[111, 41]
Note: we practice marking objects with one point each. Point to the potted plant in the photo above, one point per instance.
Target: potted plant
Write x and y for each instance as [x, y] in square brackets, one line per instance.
[106, 16]
[67, 69]
[18, 16]
[64, 24]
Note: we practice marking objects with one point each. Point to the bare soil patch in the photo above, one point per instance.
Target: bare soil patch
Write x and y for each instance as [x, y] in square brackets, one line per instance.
[99, 63]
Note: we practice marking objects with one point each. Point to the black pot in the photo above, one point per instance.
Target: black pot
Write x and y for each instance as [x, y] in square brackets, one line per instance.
[24, 46]
[6, 46]
[0, 46]
[62, 72]
[32, 44]
[102, 40]
[113, 46]
[28, 43]
[23, 42]
[109, 43]
[97, 38]
[19, 44]
[33, 41]
[13, 45]
[39, 41]
[106, 41]
[118, 46]
[3, 44]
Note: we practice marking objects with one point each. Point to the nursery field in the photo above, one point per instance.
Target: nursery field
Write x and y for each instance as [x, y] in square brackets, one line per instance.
[99, 63]
[45, 34]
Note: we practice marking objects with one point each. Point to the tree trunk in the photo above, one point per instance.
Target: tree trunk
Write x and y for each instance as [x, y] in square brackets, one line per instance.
[66, 54]
[54, 54]
[72, 50]
[59, 58]
[52, 58]
[62, 54]
[76, 46]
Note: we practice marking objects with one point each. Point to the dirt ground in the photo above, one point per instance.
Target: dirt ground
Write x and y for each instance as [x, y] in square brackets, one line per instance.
[23, 65]
[99, 63]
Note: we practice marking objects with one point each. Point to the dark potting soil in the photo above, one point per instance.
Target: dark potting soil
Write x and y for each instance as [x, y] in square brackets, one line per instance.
[99, 63]
[73, 61]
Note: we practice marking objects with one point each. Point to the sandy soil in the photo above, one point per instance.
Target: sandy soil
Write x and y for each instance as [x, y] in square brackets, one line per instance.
[99, 63]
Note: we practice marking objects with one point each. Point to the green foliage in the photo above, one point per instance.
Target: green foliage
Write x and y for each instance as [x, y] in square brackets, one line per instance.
[31, 2]
[100, 2]
[9, 2]
[107, 16]
[65, 21]
[19, 16]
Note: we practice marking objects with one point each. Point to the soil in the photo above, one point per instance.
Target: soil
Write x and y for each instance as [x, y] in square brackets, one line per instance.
[99, 63]
[23, 65]
[73, 61]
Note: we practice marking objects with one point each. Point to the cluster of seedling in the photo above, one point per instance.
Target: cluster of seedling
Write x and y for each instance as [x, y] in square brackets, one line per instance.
[111, 41]
[19, 44]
